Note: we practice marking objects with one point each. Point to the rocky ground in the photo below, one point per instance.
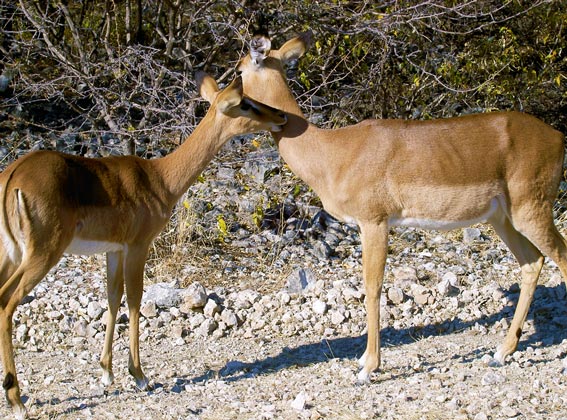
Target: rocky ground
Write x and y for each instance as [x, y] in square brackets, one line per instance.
[261, 316]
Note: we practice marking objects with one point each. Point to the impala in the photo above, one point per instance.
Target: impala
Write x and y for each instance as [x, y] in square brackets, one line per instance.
[53, 203]
[503, 168]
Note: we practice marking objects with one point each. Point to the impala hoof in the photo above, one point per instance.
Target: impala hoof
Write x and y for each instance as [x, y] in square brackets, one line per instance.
[499, 357]
[107, 378]
[20, 413]
[143, 384]
[495, 363]
[363, 378]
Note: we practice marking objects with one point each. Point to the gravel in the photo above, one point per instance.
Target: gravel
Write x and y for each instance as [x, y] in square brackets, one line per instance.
[291, 352]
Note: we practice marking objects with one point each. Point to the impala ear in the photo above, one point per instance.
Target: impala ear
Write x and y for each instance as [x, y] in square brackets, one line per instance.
[259, 48]
[207, 86]
[231, 96]
[296, 47]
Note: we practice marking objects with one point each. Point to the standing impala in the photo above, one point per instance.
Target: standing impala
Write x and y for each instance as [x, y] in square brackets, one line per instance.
[503, 168]
[53, 203]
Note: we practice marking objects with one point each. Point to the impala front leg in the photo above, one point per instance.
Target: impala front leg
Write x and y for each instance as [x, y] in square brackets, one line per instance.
[134, 261]
[115, 290]
[374, 249]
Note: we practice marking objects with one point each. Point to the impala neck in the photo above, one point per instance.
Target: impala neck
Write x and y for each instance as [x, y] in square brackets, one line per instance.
[181, 168]
[299, 143]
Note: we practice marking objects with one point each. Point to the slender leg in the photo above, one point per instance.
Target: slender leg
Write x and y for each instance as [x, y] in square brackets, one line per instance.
[134, 261]
[10, 382]
[542, 232]
[115, 290]
[374, 249]
[12, 292]
[531, 262]
[546, 237]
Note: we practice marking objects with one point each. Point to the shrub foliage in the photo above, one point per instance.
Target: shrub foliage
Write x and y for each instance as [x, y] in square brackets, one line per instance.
[122, 70]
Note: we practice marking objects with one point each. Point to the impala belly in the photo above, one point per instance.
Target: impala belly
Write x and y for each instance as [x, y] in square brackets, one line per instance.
[80, 246]
[442, 218]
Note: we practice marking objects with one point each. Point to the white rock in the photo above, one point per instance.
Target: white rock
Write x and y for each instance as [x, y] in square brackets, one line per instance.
[471, 235]
[21, 332]
[446, 287]
[80, 328]
[423, 299]
[246, 298]
[196, 320]
[163, 294]
[396, 295]
[195, 296]
[177, 331]
[149, 309]
[509, 412]
[211, 308]
[285, 298]
[55, 315]
[492, 378]
[299, 402]
[319, 307]
[352, 294]
[207, 327]
[258, 324]
[84, 300]
[94, 310]
[337, 318]
[300, 281]
[405, 274]
[229, 318]
[451, 278]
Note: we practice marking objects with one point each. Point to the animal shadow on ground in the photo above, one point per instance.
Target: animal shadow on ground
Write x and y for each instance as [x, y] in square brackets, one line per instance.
[546, 312]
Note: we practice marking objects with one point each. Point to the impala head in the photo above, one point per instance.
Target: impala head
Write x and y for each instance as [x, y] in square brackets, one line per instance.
[263, 70]
[263, 75]
[249, 115]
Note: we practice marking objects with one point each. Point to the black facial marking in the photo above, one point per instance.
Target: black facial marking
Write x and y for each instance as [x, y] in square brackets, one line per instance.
[248, 106]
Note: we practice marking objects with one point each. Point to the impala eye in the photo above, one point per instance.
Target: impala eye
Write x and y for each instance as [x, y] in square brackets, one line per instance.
[245, 106]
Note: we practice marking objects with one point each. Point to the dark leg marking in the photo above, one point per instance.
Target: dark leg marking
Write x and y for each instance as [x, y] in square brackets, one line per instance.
[9, 381]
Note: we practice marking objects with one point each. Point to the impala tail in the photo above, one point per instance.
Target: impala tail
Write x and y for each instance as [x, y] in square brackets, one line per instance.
[13, 248]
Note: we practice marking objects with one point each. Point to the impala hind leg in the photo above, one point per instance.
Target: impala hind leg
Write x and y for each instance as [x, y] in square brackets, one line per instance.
[135, 259]
[531, 263]
[544, 234]
[546, 237]
[10, 382]
[374, 249]
[13, 290]
[115, 291]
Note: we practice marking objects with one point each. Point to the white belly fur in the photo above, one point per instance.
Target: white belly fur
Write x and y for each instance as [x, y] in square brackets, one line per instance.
[444, 224]
[85, 247]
